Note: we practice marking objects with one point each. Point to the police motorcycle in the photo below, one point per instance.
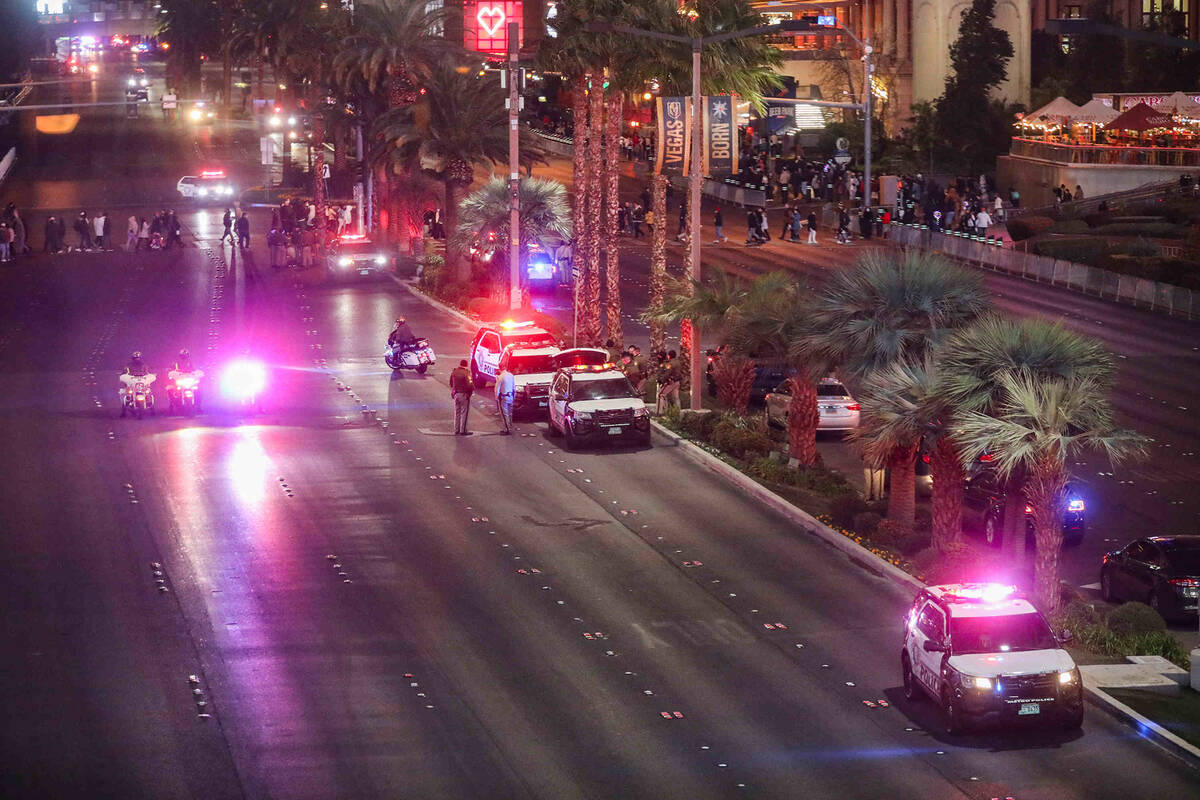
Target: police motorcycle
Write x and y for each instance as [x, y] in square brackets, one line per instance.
[136, 395]
[417, 354]
[183, 386]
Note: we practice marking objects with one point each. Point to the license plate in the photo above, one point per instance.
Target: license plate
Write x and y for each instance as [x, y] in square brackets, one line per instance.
[1029, 708]
[615, 431]
[829, 408]
[541, 403]
[364, 272]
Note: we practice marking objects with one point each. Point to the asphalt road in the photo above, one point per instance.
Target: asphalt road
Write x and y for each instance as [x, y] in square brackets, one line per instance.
[373, 611]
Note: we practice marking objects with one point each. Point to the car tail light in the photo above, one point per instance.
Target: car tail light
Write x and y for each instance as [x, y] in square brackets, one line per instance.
[1028, 508]
[1075, 505]
[1185, 583]
[925, 457]
[854, 407]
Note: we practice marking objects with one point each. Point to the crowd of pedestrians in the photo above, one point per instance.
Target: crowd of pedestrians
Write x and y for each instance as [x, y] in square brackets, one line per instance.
[298, 233]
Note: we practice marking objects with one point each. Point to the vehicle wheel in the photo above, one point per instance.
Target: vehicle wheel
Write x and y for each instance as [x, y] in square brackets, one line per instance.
[1073, 721]
[571, 443]
[991, 531]
[553, 430]
[953, 722]
[912, 692]
[645, 440]
[123, 411]
[1106, 589]
[421, 370]
[138, 413]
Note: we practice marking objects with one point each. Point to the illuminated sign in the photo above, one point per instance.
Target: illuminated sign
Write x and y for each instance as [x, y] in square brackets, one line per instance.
[485, 24]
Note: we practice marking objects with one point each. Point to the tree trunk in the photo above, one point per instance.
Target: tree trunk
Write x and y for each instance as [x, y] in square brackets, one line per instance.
[658, 259]
[380, 200]
[450, 219]
[318, 142]
[590, 322]
[1013, 523]
[612, 244]
[902, 496]
[1045, 494]
[947, 474]
[258, 60]
[802, 422]
[580, 175]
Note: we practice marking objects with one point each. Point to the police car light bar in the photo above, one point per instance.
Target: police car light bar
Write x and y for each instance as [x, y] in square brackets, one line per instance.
[509, 324]
[608, 367]
[985, 592]
[353, 237]
[213, 173]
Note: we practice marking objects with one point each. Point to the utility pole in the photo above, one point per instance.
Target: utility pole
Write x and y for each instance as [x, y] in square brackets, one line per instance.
[514, 167]
[695, 184]
[868, 73]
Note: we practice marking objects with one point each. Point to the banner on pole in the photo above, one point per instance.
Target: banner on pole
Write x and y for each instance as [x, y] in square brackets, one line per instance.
[673, 139]
[720, 137]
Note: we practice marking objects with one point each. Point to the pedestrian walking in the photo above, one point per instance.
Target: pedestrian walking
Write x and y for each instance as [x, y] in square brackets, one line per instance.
[131, 233]
[6, 239]
[668, 383]
[843, 226]
[20, 246]
[243, 231]
[169, 102]
[636, 217]
[83, 230]
[719, 225]
[982, 222]
[143, 234]
[461, 388]
[99, 222]
[506, 388]
[275, 246]
[227, 221]
[796, 224]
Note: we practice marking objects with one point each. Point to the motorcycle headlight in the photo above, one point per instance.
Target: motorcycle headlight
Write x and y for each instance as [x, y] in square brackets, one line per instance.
[380, 260]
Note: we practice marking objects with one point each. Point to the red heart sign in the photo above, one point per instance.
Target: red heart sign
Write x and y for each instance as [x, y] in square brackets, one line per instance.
[490, 19]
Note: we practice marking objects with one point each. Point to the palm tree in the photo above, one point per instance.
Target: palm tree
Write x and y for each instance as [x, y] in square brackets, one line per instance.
[972, 366]
[463, 124]
[888, 313]
[545, 217]
[1035, 426]
[191, 27]
[893, 306]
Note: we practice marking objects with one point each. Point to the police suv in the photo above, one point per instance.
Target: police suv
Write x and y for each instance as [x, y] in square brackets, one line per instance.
[491, 339]
[592, 404]
[986, 655]
[533, 368]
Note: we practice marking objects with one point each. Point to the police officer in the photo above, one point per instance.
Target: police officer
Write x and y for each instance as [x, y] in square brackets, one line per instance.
[461, 388]
[506, 387]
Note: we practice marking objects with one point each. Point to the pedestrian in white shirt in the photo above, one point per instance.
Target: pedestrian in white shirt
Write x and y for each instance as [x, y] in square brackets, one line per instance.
[999, 206]
[98, 223]
[982, 222]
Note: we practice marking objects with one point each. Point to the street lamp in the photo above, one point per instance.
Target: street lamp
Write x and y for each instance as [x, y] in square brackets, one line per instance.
[695, 179]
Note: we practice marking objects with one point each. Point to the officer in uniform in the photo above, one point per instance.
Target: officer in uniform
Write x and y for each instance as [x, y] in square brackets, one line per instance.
[462, 386]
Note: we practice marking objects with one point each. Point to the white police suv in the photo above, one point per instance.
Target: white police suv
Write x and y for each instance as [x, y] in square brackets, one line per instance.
[593, 404]
[987, 656]
[533, 368]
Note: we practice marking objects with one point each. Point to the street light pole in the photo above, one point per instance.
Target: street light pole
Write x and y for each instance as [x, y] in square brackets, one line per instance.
[695, 184]
[514, 169]
[869, 89]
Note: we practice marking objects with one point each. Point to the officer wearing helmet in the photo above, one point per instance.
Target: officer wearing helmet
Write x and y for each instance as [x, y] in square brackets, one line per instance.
[401, 335]
[184, 362]
[136, 366]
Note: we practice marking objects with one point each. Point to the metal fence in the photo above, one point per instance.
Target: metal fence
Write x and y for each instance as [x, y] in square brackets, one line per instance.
[1106, 154]
[1161, 297]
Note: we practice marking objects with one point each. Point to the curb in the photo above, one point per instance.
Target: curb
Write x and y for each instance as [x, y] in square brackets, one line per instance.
[438, 304]
[856, 552]
[1146, 727]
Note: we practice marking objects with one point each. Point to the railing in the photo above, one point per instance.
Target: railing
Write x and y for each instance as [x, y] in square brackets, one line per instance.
[1114, 201]
[1106, 154]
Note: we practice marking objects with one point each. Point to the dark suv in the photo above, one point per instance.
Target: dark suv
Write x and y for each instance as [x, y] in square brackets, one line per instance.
[983, 510]
[1161, 571]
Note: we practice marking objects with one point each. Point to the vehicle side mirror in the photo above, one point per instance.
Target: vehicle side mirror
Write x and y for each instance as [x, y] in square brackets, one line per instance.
[1065, 636]
[931, 646]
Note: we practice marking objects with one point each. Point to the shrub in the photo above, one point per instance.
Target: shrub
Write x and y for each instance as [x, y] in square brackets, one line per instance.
[1162, 230]
[486, 308]
[912, 542]
[865, 522]
[1135, 619]
[768, 469]
[697, 425]
[960, 563]
[734, 375]
[1097, 219]
[888, 533]
[1080, 251]
[1026, 227]
[739, 441]
[1141, 249]
[1070, 226]
[843, 509]
[823, 481]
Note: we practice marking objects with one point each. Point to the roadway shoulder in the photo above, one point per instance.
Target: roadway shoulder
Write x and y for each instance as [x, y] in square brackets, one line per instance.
[856, 552]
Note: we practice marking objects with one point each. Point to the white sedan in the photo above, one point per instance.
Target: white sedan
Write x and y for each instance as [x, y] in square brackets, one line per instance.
[836, 409]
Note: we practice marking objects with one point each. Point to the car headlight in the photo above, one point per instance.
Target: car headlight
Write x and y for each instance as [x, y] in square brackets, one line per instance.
[345, 262]
[275, 122]
[132, 82]
[582, 414]
[976, 682]
[641, 412]
[145, 82]
[1066, 677]
[196, 113]
[380, 260]
[203, 192]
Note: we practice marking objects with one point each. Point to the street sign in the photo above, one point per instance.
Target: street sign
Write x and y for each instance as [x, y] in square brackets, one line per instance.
[842, 143]
[842, 157]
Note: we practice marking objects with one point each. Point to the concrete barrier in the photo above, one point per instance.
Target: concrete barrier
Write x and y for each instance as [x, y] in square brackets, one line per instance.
[1078, 278]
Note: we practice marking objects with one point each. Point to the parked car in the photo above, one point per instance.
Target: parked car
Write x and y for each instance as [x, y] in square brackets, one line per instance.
[836, 409]
[984, 496]
[1160, 571]
[766, 378]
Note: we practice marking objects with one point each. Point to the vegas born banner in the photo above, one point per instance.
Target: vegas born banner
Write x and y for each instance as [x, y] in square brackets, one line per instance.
[674, 136]
[720, 137]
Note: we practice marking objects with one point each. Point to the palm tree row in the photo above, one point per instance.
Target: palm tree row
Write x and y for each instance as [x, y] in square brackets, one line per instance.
[939, 372]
